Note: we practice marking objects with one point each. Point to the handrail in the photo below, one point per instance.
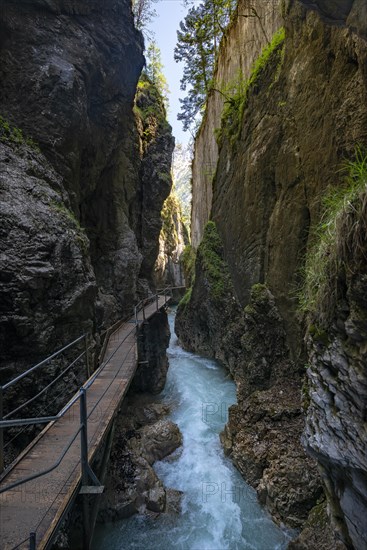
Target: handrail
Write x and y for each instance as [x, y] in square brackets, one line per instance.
[25, 373]
[46, 388]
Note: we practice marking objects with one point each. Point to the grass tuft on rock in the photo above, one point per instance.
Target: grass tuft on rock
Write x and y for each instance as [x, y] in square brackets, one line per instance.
[14, 135]
[338, 243]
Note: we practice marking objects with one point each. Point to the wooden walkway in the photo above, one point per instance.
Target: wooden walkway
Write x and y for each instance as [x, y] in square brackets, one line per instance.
[39, 505]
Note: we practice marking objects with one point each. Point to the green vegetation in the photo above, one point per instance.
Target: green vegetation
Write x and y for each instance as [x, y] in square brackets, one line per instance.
[143, 14]
[12, 134]
[149, 108]
[210, 256]
[148, 101]
[197, 47]
[188, 258]
[338, 244]
[186, 298]
[154, 70]
[237, 92]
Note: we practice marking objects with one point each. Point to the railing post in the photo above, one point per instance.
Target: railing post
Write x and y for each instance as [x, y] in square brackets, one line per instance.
[144, 311]
[1, 431]
[83, 436]
[157, 301]
[32, 541]
[84, 464]
[136, 316]
[86, 356]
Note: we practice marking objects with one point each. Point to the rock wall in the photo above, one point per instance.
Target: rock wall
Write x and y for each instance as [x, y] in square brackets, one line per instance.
[153, 341]
[81, 211]
[303, 114]
[253, 26]
[173, 239]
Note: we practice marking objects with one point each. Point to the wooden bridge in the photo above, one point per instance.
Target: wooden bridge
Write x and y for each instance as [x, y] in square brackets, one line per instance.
[38, 489]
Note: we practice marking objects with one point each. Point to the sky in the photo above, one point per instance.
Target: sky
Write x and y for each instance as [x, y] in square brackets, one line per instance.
[164, 26]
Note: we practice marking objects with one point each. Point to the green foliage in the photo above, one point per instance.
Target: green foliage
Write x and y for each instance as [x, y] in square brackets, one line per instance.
[237, 91]
[149, 108]
[154, 70]
[143, 14]
[12, 134]
[186, 298]
[338, 242]
[197, 47]
[210, 255]
[188, 258]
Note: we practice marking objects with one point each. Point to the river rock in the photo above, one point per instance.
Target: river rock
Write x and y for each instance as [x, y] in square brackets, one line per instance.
[156, 441]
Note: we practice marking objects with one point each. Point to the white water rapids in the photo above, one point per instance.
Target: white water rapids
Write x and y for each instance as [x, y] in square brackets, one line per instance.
[219, 510]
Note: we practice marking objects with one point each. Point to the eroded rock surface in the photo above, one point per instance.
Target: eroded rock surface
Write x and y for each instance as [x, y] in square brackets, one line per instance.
[142, 437]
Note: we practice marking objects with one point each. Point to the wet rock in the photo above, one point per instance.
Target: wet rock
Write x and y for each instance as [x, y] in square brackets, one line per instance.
[173, 501]
[156, 441]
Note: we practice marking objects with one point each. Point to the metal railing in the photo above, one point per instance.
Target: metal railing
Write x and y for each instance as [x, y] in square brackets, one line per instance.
[81, 396]
[44, 362]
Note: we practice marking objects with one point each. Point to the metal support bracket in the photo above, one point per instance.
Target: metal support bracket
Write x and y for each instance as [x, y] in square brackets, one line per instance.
[91, 490]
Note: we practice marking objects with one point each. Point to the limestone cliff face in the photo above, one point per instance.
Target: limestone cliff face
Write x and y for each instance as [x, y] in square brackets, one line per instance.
[168, 270]
[78, 212]
[303, 114]
[253, 26]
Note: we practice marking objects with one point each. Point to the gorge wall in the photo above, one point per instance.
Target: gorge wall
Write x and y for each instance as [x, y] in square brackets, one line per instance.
[83, 177]
[281, 146]
[254, 23]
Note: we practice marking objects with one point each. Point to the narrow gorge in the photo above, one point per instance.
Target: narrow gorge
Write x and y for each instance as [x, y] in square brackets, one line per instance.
[269, 274]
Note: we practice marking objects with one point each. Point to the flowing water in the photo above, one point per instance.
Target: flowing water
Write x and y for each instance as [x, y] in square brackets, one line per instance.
[219, 510]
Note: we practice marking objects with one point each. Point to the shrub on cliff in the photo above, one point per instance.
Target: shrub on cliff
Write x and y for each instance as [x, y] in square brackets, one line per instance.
[339, 242]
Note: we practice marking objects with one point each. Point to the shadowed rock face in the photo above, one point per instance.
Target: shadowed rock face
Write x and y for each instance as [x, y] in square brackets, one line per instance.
[44, 253]
[71, 89]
